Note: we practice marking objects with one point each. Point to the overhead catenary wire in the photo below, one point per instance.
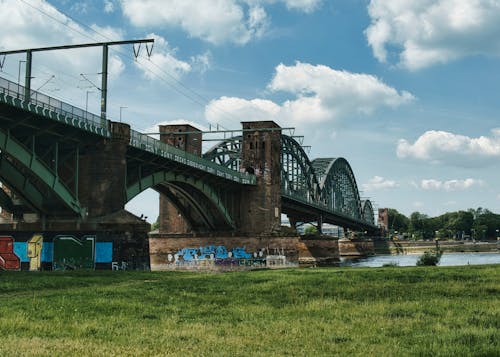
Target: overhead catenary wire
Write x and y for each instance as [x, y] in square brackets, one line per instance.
[202, 103]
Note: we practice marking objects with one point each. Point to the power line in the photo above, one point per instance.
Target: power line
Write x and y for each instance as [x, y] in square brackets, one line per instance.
[172, 77]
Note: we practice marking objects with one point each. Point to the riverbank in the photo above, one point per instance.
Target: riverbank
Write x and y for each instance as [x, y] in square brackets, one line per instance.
[405, 260]
[317, 311]
[382, 246]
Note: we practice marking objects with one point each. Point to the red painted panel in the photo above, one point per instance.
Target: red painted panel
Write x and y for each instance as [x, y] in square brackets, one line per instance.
[8, 259]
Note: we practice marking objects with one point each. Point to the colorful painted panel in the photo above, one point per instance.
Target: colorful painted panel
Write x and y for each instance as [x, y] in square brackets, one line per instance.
[104, 252]
[21, 250]
[35, 245]
[8, 259]
[47, 252]
[70, 253]
[216, 255]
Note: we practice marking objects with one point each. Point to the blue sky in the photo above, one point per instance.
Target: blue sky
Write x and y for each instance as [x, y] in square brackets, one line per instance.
[407, 91]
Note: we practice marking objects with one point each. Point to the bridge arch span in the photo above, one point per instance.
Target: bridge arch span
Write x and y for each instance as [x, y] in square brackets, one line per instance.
[339, 190]
[226, 153]
[298, 177]
[368, 214]
[327, 182]
[201, 204]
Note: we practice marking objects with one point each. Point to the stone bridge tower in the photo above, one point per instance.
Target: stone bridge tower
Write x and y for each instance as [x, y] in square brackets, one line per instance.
[187, 138]
[260, 207]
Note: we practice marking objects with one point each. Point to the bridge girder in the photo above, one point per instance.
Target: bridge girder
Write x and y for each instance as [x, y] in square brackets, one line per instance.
[368, 213]
[189, 194]
[322, 189]
[31, 178]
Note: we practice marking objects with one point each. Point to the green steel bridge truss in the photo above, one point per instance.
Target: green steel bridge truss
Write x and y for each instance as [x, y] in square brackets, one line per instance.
[42, 139]
[323, 189]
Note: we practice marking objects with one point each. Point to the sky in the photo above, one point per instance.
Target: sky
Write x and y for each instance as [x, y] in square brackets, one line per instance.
[407, 91]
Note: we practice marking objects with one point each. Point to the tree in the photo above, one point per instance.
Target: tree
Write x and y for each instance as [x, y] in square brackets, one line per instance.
[397, 221]
[486, 224]
[311, 230]
[156, 225]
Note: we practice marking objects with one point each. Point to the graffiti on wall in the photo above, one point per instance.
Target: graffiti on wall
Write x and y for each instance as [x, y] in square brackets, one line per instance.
[65, 252]
[71, 253]
[35, 245]
[8, 259]
[219, 255]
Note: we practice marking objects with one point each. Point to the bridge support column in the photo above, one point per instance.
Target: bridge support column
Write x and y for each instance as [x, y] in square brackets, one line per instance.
[260, 207]
[320, 224]
[187, 138]
[102, 173]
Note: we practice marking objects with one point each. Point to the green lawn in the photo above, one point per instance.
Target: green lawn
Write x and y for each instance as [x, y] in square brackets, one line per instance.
[424, 311]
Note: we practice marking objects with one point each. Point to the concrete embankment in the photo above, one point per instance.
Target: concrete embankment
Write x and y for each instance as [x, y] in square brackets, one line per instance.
[417, 247]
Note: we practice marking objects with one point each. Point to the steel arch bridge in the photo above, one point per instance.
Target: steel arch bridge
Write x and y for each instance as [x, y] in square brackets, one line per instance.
[323, 190]
[45, 145]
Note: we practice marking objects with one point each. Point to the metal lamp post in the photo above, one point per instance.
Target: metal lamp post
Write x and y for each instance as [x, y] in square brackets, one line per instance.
[19, 73]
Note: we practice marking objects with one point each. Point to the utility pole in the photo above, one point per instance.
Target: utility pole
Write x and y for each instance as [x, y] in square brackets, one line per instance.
[105, 48]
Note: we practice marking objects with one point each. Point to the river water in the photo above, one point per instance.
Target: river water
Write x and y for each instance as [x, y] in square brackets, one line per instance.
[447, 259]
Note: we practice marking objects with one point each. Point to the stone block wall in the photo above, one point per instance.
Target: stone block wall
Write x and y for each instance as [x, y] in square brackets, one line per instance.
[173, 252]
[356, 248]
[189, 139]
[318, 251]
[102, 173]
[260, 207]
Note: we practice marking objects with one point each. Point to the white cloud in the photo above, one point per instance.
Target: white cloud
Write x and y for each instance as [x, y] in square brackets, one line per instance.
[109, 6]
[418, 204]
[427, 32]
[306, 6]
[450, 185]
[162, 60]
[213, 21]
[80, 7]
[320, 94]
[379, 183]
[30, 28]
[107, 33]
[448, 148]
[202, 63]
[230, 111]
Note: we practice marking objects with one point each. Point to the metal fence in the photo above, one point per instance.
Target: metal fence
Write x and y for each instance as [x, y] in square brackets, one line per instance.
[18, 91]
[152, 145]
[138, 140]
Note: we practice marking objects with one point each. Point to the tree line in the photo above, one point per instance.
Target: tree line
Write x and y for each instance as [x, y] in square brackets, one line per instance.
[475, 224]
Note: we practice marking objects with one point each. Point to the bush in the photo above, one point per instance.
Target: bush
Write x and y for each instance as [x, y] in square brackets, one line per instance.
[390, 264]
[429, 258]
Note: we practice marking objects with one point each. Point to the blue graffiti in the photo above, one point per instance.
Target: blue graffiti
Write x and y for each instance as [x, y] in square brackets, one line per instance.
[188, 254]
[212, 253]
[240, 253]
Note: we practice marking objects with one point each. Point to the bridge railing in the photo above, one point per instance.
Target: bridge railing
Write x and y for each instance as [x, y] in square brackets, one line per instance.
[155, 146]
[18, 91]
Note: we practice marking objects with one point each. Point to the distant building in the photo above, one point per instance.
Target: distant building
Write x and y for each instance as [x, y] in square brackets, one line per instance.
[383, 220]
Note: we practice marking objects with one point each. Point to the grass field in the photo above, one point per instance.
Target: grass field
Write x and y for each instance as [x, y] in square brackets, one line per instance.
[425, 311]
